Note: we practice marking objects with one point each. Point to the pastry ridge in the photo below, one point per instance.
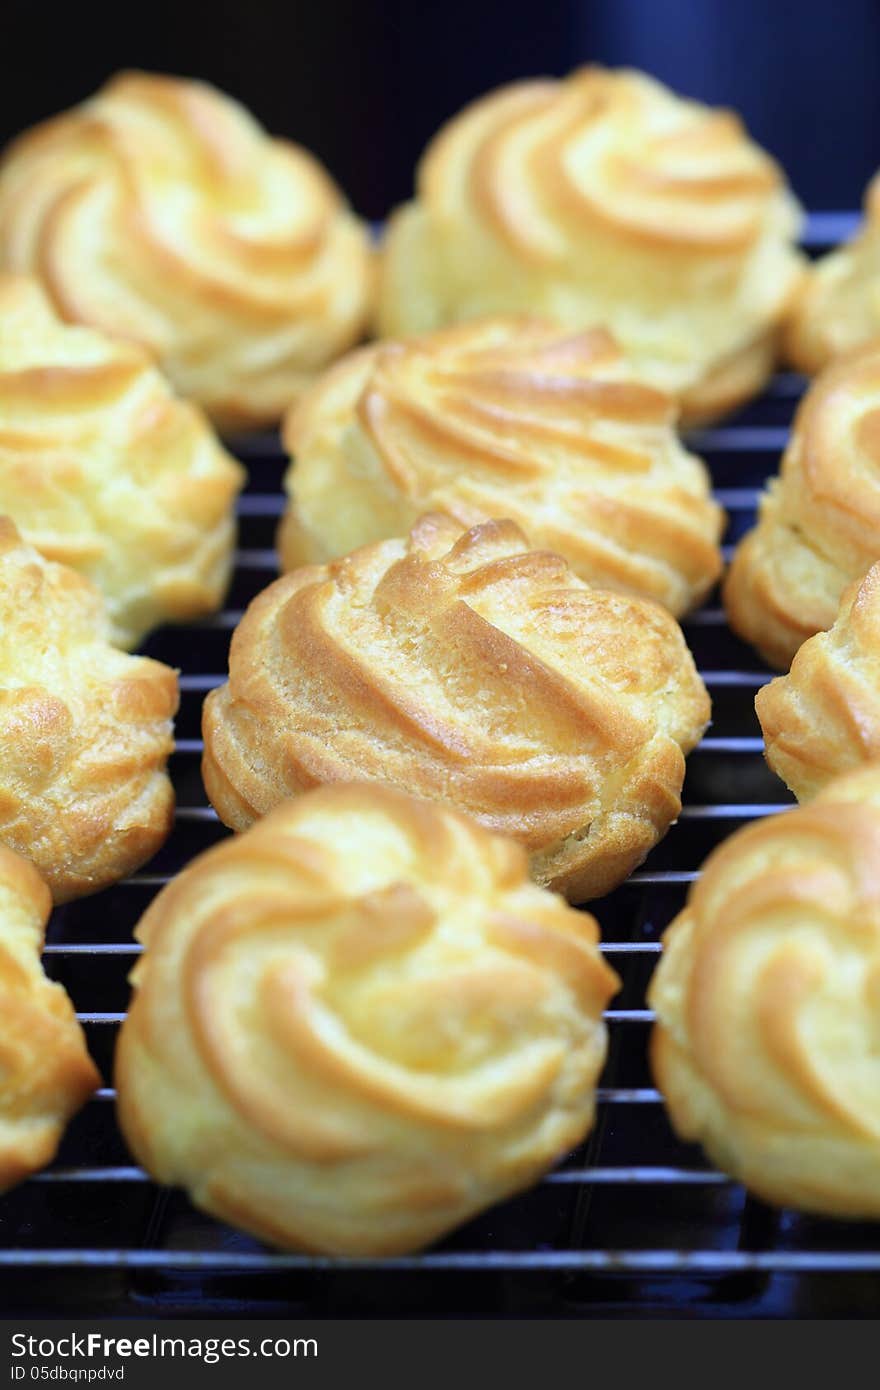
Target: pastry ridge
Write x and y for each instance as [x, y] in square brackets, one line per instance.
[604, 198]
[819, 522]
[358, 1024]
[102, 468]
[160, 210]
[85, 730]
[823, 718]
[505, 417]
[46, 1073]
[837, 308]
[464, 667]
[767, 997]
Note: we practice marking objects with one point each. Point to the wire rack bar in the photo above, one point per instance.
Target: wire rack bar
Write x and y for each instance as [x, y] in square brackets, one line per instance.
[605, 1095]
[740, 439]
[596, 1177]
[102, 1018]
[747, 680]
[605, 1261]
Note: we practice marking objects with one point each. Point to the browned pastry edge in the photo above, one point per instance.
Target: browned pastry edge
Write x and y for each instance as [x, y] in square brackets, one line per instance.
[43, 1057]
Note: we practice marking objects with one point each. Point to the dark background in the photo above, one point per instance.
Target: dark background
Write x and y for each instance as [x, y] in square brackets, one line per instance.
[364, 83]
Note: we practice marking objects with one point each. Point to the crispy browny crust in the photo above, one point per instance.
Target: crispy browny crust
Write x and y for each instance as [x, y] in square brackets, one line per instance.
[85, 730]
[359, 1023]
[766, 1001]
[468, 668]
[819, 523]
[46, 1073]
[160, 210]
[505, 417]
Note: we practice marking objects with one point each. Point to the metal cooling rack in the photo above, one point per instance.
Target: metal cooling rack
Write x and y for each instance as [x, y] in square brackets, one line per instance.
[633, 1223]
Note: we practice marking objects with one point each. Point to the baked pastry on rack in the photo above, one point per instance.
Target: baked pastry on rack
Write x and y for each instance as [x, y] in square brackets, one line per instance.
[467, 668]
[838, 306]
[767, 1004]
[823, 718]
[359, 1024]
[819, 522]
[46, 1073]
[161, 211]
[505, 417]
[103, 468]
[605, 198]
[85, 730]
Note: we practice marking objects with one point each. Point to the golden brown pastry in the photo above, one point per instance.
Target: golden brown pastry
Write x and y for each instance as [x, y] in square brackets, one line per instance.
[46, 1073]
[161, 211]
[85, 730]
[102, 468]
[768, 998]
[838, 307]
[359, 1024]
[604, 198]
[823, 718]
[819, 522]
[465, 667]
[506, 417]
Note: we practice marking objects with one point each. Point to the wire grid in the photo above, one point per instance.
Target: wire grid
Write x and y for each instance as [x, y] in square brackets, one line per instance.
[632, 1223]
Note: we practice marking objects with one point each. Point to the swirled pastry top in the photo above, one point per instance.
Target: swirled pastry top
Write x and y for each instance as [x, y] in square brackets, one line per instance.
[604, 198]
[85, 730]
[505, 417]
[823, 718]
[467, 668]
[161, 211]
[838, 307]
[768, 1001]
[819, 523]
[359, 1023]
[45, 1071]
[101, 467]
